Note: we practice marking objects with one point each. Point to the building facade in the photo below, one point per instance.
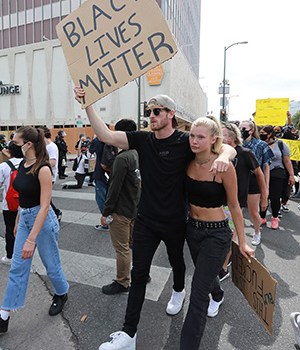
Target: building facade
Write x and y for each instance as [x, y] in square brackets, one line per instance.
[35, 85]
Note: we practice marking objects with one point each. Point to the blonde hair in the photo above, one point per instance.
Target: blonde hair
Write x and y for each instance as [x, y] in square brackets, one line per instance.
[214, 126]
[253, 127]
[234, 132]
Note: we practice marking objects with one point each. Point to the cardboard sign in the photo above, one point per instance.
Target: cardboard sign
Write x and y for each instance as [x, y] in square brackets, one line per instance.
[294, 146]
[108, 43]
[271, 111]
[257, 285]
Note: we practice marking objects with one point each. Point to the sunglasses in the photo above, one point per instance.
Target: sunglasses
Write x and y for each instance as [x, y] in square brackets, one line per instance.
[228, 126]
[244, 129]
[156, 111]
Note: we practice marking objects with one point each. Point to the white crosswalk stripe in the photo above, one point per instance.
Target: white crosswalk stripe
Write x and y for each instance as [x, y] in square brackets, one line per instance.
[87, 269]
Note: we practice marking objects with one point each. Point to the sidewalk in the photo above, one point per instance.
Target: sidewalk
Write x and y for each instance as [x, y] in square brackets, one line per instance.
[32, 328]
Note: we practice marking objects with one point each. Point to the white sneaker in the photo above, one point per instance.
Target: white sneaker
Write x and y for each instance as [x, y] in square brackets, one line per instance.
[175, 303]
[6, 261]
[213, 307]
[256, 239]
[295, 319]
[120, 340]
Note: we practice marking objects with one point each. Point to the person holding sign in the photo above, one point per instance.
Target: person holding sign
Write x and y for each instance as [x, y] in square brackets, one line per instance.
[164, 154]
[245, 164]
[208, 232]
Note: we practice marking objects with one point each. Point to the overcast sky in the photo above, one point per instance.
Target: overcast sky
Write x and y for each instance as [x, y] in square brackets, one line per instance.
[267, 67]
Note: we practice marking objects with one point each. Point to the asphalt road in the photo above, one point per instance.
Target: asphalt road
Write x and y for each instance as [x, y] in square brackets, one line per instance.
[90, 316]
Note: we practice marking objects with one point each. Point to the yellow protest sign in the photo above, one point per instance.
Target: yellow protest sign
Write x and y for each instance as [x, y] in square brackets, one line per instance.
[111, 42]
[257, 285]
[294, 146]
[271, 111]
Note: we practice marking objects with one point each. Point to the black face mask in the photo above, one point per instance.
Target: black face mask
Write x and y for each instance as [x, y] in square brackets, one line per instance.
[278, 134]
[245, 134]
[263, 137]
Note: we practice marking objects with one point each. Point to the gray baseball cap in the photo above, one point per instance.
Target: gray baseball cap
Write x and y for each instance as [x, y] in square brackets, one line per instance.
[163, 101]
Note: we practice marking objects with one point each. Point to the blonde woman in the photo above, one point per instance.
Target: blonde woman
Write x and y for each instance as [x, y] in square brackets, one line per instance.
[208, 232]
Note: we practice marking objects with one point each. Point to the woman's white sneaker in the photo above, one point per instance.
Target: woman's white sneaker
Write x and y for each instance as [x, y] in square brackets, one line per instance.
[175, 303]
[213, 307]
[120, 341]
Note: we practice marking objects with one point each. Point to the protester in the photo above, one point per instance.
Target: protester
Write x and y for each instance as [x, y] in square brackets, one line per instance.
[99, 176]
[80, 165]
[52, 151]
[121, 207]
[9, 216]
[281, 164]
[164, 154]
[264, 155]
[245, 165]
[3, 143]
[37, 227]
[62, 153]
[208, 232]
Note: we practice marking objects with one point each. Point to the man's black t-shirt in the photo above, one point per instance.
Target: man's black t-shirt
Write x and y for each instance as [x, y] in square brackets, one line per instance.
[163, 165]
[246, 163]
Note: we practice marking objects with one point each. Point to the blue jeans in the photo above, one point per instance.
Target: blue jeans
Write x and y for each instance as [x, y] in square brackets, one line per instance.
[101, 189]
[47, 246]
[208, 248]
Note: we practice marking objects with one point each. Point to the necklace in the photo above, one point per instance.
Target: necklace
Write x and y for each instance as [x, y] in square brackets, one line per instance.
[202, 162]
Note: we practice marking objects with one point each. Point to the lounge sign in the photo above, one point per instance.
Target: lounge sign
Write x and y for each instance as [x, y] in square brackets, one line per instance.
[108, 43]
[9, 89]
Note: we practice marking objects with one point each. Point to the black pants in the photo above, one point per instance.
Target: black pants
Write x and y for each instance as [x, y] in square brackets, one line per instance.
[9, 221]
[208, 247]
[146, 239]
[61, 168]
[80, 180]
[275, 191]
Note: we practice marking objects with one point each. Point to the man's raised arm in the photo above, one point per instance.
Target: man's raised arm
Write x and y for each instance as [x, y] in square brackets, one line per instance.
[104, 134]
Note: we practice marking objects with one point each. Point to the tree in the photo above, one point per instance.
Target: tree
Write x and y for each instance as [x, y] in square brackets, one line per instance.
[296, 120]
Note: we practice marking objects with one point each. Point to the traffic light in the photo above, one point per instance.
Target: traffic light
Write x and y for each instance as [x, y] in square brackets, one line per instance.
[144, 124]
[223, 116]
[145, 108]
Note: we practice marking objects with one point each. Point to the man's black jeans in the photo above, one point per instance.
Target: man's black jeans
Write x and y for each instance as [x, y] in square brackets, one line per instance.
[146, 239]
[208, 247]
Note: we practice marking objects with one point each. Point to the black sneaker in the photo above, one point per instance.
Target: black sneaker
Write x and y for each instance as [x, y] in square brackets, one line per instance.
[3, 325]
[223, 275]
[114, 288]
[57, 304]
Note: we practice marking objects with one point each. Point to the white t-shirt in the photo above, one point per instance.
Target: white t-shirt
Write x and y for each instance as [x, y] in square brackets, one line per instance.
[80, 169]
[5, 171]
[53, 154]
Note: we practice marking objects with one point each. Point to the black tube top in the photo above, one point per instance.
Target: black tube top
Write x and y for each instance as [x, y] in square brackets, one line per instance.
[206, 194]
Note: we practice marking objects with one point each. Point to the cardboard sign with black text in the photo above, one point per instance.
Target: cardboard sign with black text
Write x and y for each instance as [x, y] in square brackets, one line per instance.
[108, 43]
[257, 285]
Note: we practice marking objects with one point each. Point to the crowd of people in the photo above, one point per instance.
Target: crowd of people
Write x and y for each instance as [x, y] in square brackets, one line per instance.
[150, 187]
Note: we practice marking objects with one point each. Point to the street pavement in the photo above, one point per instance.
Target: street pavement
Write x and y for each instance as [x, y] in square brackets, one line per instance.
[90, 316]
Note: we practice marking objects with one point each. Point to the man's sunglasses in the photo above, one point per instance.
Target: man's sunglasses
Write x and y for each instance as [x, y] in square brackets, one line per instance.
[156, 111]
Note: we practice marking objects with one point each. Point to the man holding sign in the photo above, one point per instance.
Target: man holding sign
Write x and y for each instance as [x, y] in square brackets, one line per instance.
[164, 155]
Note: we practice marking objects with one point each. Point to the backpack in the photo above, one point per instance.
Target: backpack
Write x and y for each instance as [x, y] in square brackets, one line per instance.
[76, 163]
[12, 196]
